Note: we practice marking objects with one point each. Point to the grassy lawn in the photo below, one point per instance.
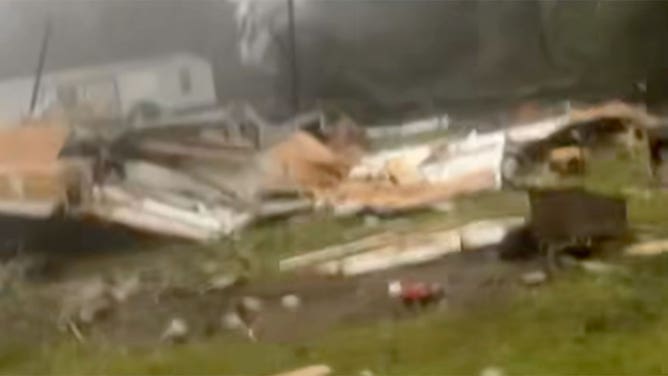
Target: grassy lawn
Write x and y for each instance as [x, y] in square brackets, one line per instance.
[583, 324]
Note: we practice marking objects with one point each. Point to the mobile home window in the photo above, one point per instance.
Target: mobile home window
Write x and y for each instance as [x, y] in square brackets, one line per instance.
[185, 80]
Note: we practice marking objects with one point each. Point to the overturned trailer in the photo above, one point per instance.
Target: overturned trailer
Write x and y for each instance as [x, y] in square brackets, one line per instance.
[197, 179]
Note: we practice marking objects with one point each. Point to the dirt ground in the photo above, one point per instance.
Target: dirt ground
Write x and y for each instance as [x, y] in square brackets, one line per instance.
[173, 279]
[476, 277]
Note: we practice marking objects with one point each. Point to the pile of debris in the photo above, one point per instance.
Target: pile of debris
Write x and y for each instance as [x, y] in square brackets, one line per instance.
[204, 177]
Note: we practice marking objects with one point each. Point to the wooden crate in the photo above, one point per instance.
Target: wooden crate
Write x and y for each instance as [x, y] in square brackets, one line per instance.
[565, 214]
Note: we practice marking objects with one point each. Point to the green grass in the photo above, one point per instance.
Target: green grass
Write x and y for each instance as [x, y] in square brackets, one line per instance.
[584, 324]
[579, 323]
[270, 242]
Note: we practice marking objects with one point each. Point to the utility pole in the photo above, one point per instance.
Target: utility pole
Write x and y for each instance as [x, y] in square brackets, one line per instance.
[294, 66]
[40, 65]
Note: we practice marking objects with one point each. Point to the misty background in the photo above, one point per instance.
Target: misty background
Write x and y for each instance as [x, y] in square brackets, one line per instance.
[369, 58]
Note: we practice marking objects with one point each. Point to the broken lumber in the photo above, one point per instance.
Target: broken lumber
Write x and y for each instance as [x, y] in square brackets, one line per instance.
[411, 252]
[29, 208]
[280, 208]
[137, 218]
[142, 212]
[387, 250]
[314, 370]
[189, 217]
[649, 248]
[383, 196]
[334, 252]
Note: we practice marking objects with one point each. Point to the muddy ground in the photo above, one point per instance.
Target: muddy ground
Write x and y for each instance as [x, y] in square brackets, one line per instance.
[32, 309]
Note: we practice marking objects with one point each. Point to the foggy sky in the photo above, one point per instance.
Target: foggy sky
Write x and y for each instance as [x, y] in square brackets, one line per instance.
[88, 32]
[395, 53]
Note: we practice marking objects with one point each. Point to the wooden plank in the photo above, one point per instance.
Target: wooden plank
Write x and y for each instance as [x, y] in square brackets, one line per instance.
[29, 208]
[412, 252]
[335, 251]
[314, 370]
[140, 219]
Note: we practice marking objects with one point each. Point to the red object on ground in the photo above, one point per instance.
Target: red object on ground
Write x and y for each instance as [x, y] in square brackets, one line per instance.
[419, 292]
[415, 291]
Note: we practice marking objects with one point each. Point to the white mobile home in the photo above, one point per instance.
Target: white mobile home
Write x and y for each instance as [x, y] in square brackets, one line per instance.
[165, 84]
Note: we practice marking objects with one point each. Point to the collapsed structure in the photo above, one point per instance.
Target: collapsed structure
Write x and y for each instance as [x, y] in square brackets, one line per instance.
[204, 177]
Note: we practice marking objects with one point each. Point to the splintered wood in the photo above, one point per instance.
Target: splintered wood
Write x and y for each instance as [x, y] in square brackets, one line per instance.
[389, 180]
[32, 179]
[384, 195]
[304, 162]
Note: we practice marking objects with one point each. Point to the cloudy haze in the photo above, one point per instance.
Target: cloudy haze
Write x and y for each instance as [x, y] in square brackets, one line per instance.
[355, 54]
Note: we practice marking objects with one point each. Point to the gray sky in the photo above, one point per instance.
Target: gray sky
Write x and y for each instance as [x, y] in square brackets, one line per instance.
[401, 53]
[89, 32]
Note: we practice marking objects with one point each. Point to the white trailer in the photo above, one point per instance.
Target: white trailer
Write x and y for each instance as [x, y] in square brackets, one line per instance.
[127, 90]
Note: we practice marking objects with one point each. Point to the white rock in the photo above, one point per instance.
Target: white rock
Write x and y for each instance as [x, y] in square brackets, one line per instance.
[124, 288]
[251, 304]
[176, 331]
[534, 278]
[366, 372]
[492, 371]
[232, 321]
[291, 302]
[222, 282]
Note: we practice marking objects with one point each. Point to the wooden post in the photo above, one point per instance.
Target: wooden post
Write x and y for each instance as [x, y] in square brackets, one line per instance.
[294, 66]
[40, 66]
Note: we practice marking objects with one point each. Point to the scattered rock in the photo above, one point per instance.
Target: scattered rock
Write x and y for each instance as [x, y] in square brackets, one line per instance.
[492, 371]
[251, 304]
[222, 282]
[315, 370]
[176, 331]
[600, 267]
[86, 302]
[125, 287]
[534, 278]
[248, 309]
[232, 321]
[648, 248]
[291, 302]
[592, 266]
